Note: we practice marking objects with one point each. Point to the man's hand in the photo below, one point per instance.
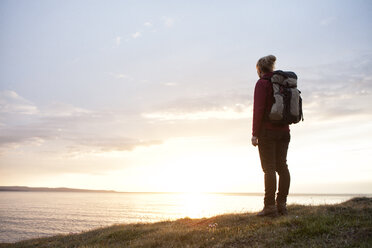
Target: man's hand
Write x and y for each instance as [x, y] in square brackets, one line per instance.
[254, 140]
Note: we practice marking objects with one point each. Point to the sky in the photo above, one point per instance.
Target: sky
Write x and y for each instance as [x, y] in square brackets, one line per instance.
[157, 95]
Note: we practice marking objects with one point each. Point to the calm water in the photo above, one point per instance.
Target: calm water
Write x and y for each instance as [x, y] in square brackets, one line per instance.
[25, 215]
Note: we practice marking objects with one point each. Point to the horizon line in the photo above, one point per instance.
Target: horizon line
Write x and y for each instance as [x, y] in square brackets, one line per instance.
[16, 188]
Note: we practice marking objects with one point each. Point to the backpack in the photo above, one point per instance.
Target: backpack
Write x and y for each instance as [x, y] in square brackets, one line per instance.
[287, 106]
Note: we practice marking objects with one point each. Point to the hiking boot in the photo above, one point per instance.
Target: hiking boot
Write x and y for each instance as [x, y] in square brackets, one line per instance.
[282, 208]
[268, 211]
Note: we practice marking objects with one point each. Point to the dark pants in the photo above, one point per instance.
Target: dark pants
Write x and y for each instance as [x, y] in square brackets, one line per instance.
[273, 147]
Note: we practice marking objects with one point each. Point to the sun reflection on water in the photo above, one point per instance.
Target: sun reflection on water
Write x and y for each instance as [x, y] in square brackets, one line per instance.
[195, 204]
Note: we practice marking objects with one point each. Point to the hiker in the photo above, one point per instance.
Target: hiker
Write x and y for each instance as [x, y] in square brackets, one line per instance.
[272, 140]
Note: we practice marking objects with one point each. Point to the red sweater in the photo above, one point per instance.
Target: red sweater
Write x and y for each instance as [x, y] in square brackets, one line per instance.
[263, 100]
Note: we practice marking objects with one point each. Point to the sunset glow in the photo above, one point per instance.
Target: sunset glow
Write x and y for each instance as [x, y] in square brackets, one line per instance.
[157, 96]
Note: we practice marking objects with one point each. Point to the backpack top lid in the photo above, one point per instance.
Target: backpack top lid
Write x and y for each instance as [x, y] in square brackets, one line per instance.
[285, 78]
[286, 74]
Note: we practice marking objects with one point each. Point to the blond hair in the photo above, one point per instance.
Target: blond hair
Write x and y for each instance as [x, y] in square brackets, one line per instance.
[266, 64]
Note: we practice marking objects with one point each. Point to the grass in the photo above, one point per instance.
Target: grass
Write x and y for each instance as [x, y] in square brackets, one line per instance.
[348, 224]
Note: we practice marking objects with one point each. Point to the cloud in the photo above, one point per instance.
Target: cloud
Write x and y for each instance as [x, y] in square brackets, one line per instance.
[63, 124]
[136, 35]
[168, 21]
[11, 102]
[118, 40]
[212, 101]
[170, 84]
[59, 109]
[123, 76]
[112, 143]
[225, 113]
[120, 76]
[228, 106]
[331, 91]
[148, 24]
[20, 127]
[14, 137]
[336, 90]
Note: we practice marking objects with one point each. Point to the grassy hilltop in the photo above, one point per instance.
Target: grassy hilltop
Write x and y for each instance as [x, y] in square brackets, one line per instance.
[348, 224]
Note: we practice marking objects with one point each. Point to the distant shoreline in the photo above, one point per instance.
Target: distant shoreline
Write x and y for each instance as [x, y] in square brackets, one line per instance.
[65, 189]
[46, 189]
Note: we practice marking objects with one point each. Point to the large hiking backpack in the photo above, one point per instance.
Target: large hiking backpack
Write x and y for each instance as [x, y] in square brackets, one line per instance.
[287, 106]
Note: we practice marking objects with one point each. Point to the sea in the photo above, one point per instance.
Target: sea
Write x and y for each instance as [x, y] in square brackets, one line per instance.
[27, 215]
